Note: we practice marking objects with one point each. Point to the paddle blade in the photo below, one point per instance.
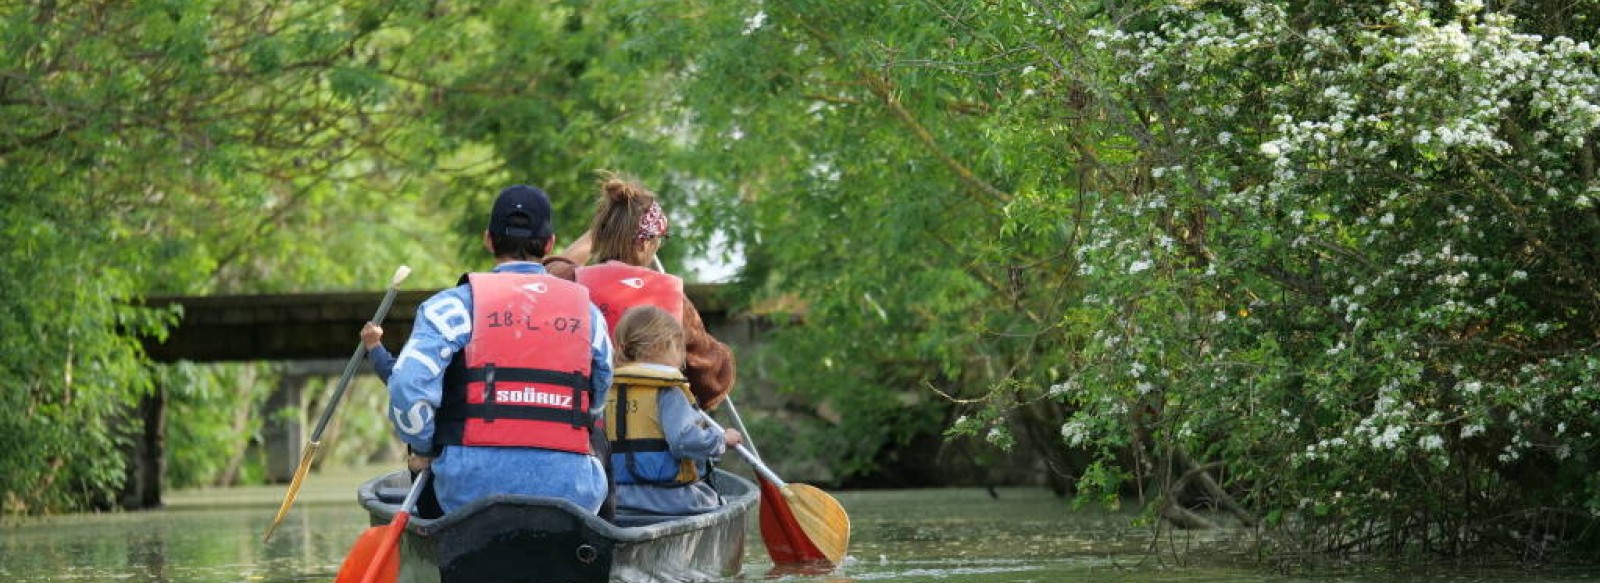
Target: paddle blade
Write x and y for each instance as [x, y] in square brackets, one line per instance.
[822, 518]
[385, 567]
[294, 487]
[364, 553]
[787, 542]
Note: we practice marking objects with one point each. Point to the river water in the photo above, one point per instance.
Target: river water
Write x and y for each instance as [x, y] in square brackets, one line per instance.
[947, 535]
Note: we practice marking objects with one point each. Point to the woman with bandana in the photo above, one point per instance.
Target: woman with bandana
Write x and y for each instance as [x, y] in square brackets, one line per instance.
[629, 227]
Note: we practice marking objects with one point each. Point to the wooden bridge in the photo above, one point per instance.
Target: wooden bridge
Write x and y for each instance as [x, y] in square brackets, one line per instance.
[311, 327]
[315, 334]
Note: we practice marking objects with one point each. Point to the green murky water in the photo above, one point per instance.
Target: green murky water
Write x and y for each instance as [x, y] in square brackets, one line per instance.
[956, 536]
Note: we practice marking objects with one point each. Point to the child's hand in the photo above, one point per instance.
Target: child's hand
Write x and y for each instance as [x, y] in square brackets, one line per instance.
[732, 437]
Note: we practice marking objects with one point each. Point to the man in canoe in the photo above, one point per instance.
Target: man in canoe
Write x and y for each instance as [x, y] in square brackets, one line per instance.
[503, 375]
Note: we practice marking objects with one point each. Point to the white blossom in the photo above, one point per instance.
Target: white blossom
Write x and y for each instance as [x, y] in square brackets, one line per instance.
[1074, 432]
[754, 22]
[1430, 442]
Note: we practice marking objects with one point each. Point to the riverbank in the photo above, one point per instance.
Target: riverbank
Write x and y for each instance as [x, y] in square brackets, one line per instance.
[329, 485]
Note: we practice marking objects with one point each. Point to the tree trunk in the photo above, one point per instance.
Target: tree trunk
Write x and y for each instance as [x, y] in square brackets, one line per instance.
[241, 422]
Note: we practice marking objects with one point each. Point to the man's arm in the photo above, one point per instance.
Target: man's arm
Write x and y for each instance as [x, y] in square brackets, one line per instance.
[382, 362]
[565, 264]
[442, 327]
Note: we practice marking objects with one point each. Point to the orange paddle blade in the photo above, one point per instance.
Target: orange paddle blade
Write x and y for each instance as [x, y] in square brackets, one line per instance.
[362, 555]
[787, 543]
[386, 567]
[376, 554]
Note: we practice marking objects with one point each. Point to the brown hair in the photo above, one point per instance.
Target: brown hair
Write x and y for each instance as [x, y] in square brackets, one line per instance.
[646, 332]
[613, 233]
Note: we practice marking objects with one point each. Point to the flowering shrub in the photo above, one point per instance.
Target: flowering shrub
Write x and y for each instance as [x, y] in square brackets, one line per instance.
[1363, 275]
[1330, 265]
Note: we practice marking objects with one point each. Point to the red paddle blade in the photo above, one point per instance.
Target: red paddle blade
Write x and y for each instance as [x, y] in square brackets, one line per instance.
[786, 543]
[364, 553]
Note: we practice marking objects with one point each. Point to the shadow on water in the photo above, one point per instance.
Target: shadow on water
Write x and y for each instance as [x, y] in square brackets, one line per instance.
[948, 536]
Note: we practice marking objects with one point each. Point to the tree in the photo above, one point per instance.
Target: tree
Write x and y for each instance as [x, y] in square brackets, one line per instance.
[175, 148]
[225, 147]
[1254, 253]
[884, 166]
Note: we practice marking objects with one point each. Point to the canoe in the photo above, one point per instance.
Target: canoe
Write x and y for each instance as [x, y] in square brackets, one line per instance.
[513, 539]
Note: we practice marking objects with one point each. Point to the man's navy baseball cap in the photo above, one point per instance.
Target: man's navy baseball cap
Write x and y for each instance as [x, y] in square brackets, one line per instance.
[523, 212]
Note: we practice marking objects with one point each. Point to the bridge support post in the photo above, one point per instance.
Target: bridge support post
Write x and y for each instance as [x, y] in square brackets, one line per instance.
[284, 432]
[147, 452]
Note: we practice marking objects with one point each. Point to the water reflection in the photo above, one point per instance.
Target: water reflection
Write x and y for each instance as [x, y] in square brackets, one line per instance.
[947, 536]
[150, 553]
[180, 546]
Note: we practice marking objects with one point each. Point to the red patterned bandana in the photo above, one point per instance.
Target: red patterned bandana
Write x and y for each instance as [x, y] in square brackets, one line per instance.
[653, 224]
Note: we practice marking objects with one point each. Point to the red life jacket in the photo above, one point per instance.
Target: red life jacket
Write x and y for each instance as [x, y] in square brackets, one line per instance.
[615, 286]
[523, 378]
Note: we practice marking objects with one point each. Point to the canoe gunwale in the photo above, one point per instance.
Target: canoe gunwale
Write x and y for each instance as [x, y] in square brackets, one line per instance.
[739, 496]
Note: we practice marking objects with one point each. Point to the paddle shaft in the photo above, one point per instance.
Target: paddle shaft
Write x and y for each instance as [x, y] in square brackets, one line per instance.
[333, 403]
[761, 468]
[397, 526]
[738, 422]
[351, 366]
[750, 457]
[416, 490]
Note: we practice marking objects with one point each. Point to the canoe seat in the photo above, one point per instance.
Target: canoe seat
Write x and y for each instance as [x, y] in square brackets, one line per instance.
[393, 494]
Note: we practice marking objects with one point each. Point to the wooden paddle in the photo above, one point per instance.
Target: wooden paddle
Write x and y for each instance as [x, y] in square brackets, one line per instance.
[374, 557]
[787, 545]
[800, 524]
[333, 403]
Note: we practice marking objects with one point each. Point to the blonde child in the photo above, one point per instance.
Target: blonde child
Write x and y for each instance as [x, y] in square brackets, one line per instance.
[661, 444]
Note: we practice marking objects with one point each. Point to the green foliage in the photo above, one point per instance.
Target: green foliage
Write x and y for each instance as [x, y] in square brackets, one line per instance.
[1339, 257]
[867, 160]
[159, 148]
[154, 148]
[65, 368]
[1358, 269]
[557, 94]
[1302, 245]
[211, 411]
